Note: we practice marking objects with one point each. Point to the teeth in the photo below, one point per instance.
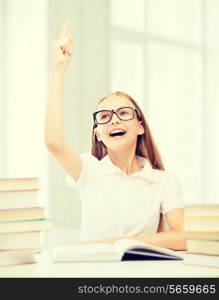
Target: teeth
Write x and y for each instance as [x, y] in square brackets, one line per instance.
[116, 131]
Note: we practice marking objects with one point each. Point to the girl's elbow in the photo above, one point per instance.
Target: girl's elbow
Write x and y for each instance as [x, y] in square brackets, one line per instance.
[181, 240]
[53, 145]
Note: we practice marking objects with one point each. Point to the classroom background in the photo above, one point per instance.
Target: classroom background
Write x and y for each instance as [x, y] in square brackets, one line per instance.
[163, 53]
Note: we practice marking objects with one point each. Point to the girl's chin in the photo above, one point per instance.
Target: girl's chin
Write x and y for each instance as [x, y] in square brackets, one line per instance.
[119, 145]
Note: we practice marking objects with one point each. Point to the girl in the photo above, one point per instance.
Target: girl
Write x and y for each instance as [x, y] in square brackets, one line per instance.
[123, 186]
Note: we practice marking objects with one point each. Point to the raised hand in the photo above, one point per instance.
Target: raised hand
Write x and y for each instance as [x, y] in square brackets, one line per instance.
[62, 50]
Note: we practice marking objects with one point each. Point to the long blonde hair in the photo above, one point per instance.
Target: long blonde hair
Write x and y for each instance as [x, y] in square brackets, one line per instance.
[145, 144]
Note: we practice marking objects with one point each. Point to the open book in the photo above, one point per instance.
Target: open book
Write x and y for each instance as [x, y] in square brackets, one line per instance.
[124, 249]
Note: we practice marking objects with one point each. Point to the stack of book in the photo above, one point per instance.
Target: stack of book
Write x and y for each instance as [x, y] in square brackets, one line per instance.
[22, 220]
[202, 225]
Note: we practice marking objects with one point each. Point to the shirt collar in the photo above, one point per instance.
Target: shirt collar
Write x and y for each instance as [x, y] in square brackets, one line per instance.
[147, 171]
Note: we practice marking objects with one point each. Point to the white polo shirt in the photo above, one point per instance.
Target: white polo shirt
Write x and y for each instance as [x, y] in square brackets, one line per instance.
[114, 204]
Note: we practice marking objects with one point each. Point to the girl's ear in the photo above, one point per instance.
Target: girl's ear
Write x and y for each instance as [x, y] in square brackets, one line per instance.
[141, 128]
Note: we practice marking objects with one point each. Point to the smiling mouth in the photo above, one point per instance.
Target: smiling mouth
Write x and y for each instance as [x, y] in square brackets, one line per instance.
[117, 134]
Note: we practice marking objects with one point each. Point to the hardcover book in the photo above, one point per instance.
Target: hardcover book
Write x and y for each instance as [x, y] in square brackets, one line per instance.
[18, 184]
[22, 214]
[25, 225]
[17, 257]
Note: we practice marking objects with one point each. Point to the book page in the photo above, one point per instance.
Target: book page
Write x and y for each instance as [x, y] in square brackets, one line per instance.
[125, 244]
[131, 244]
[85, 249]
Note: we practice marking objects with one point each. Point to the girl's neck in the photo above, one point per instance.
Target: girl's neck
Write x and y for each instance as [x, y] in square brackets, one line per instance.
[126, 161]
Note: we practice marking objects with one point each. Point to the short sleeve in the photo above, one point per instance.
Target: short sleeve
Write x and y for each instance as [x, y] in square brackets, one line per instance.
[172, 196]
[89, 163]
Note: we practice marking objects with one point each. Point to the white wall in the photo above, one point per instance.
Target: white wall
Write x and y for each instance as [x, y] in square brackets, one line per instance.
[23, 85]
[211, 96]
[2, 131]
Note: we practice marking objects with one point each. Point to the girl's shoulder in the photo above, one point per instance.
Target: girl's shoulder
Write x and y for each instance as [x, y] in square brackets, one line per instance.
[165, 176]
[170, 180]
[156, 175]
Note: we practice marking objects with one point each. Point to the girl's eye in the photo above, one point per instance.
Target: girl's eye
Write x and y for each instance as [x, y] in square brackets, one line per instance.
[104, 117]
[123, 113]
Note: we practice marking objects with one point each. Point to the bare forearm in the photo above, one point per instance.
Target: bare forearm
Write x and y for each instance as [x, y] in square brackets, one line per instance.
[175, 240]
[61, 54]
[55, 110]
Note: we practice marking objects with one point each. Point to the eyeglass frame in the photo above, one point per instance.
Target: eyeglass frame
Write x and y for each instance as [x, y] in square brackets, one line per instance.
[114, 111]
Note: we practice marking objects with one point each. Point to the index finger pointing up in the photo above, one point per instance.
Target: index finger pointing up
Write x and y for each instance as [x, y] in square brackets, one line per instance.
[64, 31]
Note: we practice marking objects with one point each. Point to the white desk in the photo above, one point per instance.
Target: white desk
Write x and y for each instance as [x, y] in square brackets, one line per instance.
[145, 269]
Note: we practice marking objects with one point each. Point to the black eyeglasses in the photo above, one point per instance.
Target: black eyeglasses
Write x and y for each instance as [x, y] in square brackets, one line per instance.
[123, 113]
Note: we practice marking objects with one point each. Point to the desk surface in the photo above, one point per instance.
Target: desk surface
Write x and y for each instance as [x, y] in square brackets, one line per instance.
[145, 269]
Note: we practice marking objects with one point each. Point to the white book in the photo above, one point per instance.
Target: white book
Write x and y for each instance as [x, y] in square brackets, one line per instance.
[202, 210]
[124, 249]
[203, 224]
[21, 240]
[20, 199]
[22, 214]
[201, 259]
[8, 258]
[203, 246]
[19, 184]
[25, 225]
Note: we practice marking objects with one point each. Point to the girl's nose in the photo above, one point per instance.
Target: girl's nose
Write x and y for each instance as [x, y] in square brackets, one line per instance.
[115, 119]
